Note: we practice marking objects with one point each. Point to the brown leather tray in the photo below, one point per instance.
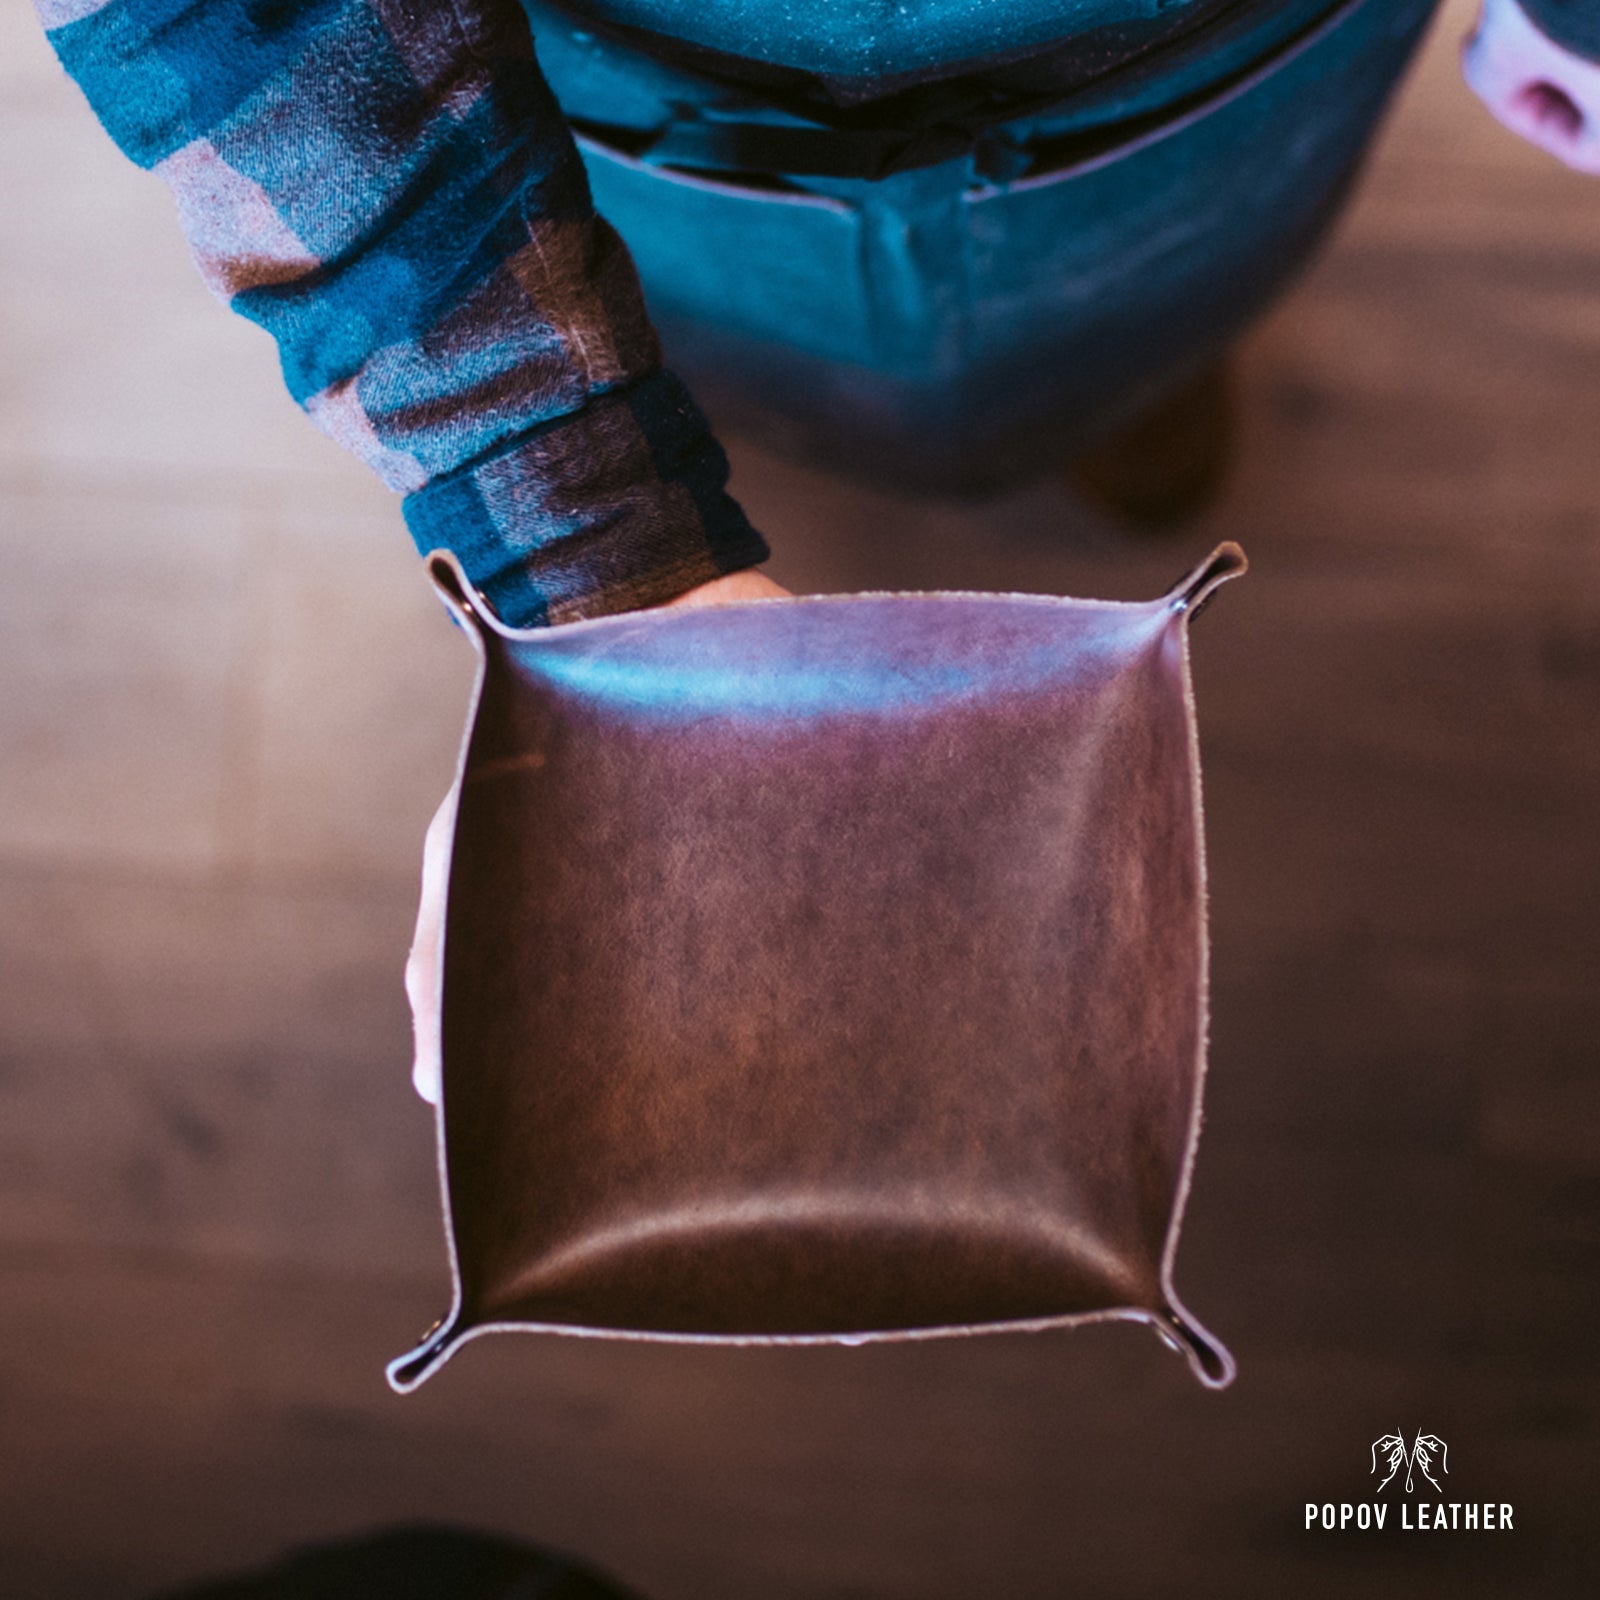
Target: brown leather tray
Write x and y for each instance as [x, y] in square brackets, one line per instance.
[825, 969]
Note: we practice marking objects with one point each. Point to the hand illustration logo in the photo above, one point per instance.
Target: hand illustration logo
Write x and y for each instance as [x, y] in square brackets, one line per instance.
[1420, 1457]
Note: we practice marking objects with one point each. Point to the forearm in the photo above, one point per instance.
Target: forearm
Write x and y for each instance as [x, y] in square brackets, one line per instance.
[389, 189]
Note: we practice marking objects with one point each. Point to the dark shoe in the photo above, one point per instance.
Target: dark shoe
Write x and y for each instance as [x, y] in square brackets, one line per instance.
[1169, 463]
[416, 1564]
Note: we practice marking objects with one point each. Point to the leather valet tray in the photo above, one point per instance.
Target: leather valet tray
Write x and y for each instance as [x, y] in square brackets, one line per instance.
[825, 969]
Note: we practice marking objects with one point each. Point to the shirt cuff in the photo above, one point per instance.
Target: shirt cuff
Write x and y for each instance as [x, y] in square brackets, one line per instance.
[616, 507]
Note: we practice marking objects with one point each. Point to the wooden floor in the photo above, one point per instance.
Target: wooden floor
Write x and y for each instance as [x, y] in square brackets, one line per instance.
[229, 705]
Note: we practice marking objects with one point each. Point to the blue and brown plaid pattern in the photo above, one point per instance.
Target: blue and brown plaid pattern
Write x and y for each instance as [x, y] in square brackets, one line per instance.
[390, 190]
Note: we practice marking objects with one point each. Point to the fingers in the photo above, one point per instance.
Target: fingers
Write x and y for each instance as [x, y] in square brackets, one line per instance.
[425, 964]
[1539, 90]
[734, 586]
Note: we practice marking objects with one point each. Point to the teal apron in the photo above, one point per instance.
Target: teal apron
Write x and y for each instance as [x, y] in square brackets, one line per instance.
[953, 287]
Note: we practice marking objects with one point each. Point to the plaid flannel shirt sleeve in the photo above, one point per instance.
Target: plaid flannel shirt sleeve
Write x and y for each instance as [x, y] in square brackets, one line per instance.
[390, 190]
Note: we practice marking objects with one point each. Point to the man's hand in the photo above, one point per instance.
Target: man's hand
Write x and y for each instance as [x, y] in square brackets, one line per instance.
[1535, 87]
[424, 968]
[747, 585]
